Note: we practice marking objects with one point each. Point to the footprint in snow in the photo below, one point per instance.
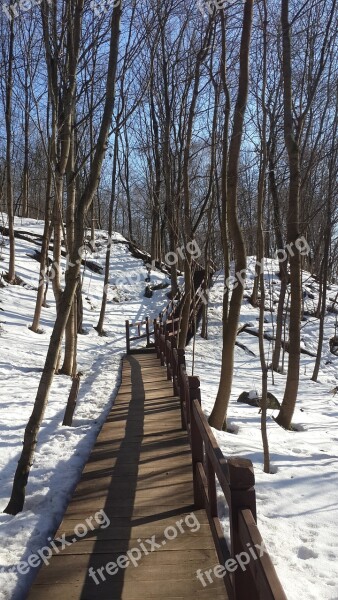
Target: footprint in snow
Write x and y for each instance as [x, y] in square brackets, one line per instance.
[299, 451]
[305, 553]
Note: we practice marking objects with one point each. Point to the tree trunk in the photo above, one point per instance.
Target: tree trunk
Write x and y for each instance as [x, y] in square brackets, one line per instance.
[292, 145]
[155, 221]
[280, 244]
[25, 175]
[261, 243]
[9, 180]
[99, 327]
[57, 238]
[218, 415]
[323, 306]
[71, 329]
[188, 233]
[44, 249]
[327, 244]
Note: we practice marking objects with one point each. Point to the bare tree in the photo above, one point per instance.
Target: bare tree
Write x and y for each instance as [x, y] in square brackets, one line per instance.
[218, 415]
[9, 142]
[292, 135]
[16, 502]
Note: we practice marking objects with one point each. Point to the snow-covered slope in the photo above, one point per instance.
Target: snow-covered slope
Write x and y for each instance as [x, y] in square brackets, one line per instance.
[298, 504]
[61, 451]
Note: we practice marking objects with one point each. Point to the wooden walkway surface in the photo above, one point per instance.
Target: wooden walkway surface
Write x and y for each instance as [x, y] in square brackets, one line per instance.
[139, 473]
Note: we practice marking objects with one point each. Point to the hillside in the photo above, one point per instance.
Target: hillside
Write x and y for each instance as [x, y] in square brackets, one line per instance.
[297, 506]
[61, 451]
[297, 510]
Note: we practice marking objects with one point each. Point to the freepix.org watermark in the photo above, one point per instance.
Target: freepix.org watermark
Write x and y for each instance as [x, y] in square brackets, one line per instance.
[58, 544]
[241, 560]
[102, 7]
[14, 9]
[281, 255]
[211, 6]
[143, 548]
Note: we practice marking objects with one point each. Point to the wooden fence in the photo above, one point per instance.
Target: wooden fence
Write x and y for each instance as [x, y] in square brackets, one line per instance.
[257, 580]
[143, 332]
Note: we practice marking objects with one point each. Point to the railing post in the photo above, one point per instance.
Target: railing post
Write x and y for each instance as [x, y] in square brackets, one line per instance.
[210, 473]
[195, 439]
[174, 364]
[182, 394]
[168, 357]
[242, 493]
[162, 347]
[181, 361]
[179, 386]
[156, 333]
[127, 337]
[147, 332]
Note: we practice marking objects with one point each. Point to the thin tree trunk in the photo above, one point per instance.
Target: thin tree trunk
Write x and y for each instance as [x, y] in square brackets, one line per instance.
[327, 245]
[25, 175]
[323, 306]
[283, 264]
[9, 179]
[292, 145]
[71, 329]
[218, 415]
[261, 244]
[188, 233]
[44, 248]
[155, 222]
[99, 327]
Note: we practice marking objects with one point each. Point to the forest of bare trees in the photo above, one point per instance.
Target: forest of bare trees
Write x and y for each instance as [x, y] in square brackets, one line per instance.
[173, 122]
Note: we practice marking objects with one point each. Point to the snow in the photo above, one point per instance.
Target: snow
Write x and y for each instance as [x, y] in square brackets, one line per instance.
[62, 451]
[297, 504]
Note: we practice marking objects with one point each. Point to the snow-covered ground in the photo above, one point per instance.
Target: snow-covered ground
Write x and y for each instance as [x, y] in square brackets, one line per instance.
[61, 451]
[297, 505]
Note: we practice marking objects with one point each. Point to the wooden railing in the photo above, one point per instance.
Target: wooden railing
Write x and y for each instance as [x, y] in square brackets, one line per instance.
[143, 332]
[143, 328]
[168, 318]
[247, 575]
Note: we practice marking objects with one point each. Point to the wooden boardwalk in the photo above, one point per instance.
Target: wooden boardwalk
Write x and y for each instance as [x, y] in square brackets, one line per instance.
[139, 473]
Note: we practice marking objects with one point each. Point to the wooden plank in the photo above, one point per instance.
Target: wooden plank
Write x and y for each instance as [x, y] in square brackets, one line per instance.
[129, 496]
[144, 474]
[73, 592]
[137, 526]
[148, 378]
[148, 431]
[123, 466]
[83, 509]
[107, 543]
[144, 454]
[149, 386]
[155, 561]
